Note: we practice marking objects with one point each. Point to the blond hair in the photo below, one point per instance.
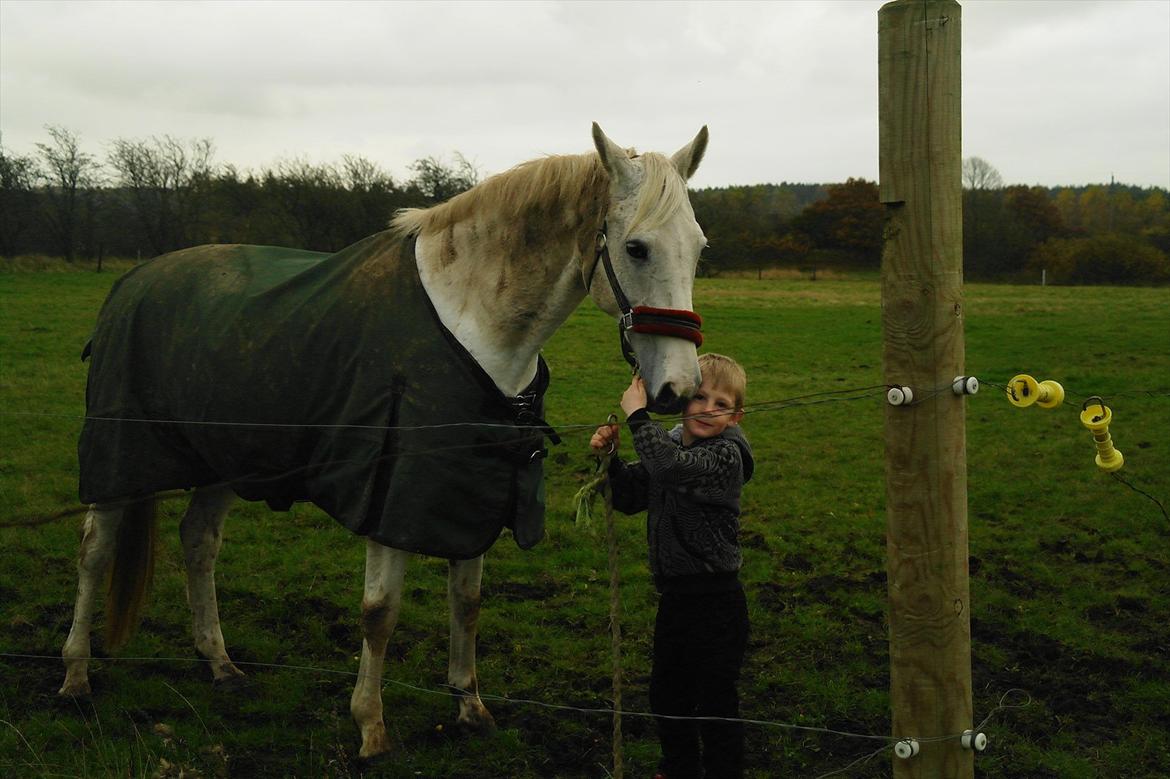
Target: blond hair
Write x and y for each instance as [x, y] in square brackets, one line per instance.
[726, 374]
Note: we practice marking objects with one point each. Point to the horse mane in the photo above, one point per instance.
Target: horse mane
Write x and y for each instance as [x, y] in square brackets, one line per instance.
[573, 188]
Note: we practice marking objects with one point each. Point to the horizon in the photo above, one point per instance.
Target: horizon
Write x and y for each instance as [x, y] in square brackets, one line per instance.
[244, 172]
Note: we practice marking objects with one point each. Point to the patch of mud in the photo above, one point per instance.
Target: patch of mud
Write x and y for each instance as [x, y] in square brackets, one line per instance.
[750, 539]
[543, 587]
[1072, 685]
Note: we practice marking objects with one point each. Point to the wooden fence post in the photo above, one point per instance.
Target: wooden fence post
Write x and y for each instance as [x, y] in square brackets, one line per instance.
[926, 468]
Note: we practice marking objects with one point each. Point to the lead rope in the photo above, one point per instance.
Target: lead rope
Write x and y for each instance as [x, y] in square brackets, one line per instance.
[615, 607]
[583, 501]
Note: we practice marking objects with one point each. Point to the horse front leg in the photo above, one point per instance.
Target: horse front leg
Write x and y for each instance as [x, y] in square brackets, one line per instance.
[201, 531]
[463, 588]
[381, 599]
[99, 535]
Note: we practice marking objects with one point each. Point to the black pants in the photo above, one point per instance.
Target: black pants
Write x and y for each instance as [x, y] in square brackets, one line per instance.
[699, 642]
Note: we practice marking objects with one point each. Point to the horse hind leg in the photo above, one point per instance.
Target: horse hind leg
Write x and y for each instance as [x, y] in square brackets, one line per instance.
[201, 531]
[463, 594]
[381, 601]
[98, 540]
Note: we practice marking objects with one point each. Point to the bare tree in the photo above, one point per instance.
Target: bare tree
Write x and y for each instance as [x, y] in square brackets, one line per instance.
[981, 181]
[978, 173]
[18, 178]
[373, 196]
[166, 182]
[439, 182]
[311, 202]
[69, 173]
[359, 174]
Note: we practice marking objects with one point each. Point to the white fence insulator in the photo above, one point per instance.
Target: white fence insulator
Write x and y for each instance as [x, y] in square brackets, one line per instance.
[965, 385]
[900, 396]
[974, 740]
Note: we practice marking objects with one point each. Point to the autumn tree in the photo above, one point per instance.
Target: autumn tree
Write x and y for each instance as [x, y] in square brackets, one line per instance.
[1154, 210]
[1102, 259]
[1031, 219]
[847, 223]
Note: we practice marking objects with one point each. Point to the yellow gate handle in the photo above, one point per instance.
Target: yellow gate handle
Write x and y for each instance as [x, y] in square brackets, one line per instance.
[1108, 458]
[1023, 391]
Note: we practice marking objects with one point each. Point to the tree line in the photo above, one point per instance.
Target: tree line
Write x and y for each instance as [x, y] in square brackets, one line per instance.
[150, 196]
[1092, 234]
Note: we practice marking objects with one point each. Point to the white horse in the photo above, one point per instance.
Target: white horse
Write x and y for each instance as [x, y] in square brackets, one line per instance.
[504, 265]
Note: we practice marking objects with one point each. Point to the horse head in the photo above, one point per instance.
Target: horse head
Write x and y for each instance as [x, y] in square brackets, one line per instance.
[649, 249]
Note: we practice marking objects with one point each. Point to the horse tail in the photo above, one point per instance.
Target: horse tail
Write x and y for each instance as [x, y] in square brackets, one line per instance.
[132, 571]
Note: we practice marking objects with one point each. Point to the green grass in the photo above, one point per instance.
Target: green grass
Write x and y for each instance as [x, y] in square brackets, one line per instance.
[1069, 584]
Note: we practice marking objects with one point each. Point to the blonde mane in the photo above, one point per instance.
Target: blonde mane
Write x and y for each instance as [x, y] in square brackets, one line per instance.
[662, 194]
[570, 188]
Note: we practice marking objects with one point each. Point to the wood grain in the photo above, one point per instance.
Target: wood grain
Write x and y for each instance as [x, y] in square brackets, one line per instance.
[922, 317]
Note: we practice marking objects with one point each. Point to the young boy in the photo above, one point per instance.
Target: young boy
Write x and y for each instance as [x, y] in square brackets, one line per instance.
[688, 481]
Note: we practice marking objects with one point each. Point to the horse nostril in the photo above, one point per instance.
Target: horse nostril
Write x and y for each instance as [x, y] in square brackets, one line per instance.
[667, 401]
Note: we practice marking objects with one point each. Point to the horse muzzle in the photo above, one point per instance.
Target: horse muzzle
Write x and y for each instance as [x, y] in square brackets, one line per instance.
[670, 369]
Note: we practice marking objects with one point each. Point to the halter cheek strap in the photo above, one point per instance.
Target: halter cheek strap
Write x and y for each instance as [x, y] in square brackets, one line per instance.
[671, 322]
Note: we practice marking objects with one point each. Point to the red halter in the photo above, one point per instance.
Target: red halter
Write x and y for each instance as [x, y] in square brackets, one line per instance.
[671, 322]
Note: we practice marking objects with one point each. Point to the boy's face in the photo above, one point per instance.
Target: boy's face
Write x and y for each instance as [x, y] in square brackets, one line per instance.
[710, 411]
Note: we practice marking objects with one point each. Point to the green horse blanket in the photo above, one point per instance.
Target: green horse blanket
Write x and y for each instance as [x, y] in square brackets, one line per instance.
[300, 376]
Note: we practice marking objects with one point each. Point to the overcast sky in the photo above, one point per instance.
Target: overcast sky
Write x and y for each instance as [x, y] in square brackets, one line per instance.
[1067, 92]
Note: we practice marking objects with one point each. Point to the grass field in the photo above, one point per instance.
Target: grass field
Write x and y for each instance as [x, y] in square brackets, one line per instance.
[1069, 583]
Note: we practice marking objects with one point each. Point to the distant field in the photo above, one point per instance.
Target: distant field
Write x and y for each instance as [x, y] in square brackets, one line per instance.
[1070, 585]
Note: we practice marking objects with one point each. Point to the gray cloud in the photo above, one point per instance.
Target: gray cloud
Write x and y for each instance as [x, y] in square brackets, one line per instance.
[1054, 92]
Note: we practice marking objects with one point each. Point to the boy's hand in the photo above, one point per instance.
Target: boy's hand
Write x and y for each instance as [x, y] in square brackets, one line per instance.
[634, 398]
[607, 436]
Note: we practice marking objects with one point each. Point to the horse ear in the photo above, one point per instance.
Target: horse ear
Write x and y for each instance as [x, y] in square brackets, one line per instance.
[615, 159]
[687, 158]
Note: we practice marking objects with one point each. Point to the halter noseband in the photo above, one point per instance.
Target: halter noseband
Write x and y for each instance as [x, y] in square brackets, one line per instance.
[672, 322]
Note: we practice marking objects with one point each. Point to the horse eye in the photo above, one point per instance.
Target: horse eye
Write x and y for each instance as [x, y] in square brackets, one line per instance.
[637, 250]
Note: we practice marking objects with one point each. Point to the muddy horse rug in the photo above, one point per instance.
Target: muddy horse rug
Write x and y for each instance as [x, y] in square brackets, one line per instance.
[293, 376]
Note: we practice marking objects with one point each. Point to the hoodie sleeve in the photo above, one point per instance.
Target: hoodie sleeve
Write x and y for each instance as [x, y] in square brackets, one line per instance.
[706, 470]
[629, 484]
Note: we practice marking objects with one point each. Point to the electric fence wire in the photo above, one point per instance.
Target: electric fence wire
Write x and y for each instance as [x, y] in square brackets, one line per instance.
[520, 430]
[569, 430]
[1118, 477]
[811, 399]
[451, 691]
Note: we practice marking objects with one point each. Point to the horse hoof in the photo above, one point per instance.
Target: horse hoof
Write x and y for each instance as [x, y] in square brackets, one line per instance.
[75, 689]
[375, 748]
[230, 684]
[477, 723]
[374, 760]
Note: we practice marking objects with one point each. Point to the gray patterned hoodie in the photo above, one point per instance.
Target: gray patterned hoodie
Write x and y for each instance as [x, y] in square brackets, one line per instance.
[690, 495]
